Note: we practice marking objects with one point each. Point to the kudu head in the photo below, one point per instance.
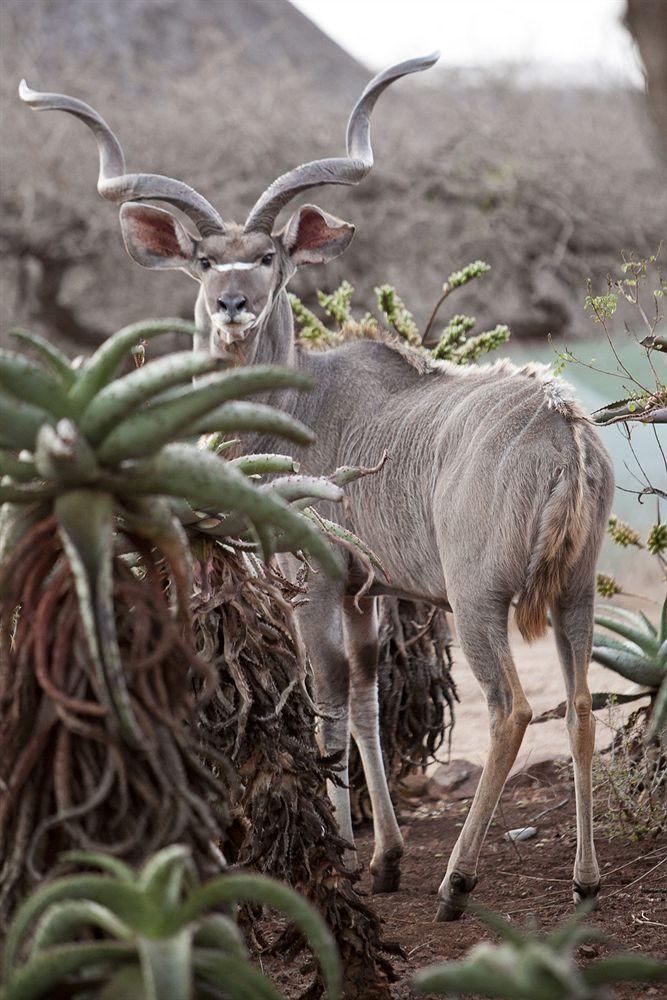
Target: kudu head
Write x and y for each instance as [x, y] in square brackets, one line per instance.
[241, 269]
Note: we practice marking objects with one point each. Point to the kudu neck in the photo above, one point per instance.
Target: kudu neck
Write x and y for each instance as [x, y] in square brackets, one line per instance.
[275, 344]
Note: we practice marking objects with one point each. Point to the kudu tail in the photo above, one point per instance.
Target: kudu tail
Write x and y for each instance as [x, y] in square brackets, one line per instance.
[559, 538]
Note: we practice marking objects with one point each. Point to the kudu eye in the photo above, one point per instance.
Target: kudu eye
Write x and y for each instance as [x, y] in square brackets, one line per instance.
[267, 259]
[204, 263]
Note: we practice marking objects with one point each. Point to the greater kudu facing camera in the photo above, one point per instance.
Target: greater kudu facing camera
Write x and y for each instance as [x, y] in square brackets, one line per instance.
[496, 486]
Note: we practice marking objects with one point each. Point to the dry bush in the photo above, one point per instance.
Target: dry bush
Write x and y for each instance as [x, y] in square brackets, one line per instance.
[462, 171]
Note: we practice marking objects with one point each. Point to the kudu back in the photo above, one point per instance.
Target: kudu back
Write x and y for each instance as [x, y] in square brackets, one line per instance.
[496, 487]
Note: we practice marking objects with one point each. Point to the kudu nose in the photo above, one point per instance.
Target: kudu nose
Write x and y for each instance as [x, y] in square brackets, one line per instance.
[232, 304]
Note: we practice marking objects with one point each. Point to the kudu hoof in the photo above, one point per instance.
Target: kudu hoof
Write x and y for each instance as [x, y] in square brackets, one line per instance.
[582, 892]
[387, 874]
[388, 881]
[455, 900]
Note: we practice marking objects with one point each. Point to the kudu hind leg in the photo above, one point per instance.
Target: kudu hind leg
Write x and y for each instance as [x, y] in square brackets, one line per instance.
[573, 628]
[487, 651]
[361, 635]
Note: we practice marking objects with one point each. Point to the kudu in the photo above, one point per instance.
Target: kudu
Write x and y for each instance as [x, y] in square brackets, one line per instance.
[496, 486]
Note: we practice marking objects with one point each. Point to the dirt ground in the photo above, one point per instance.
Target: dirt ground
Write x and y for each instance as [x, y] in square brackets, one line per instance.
[527, 881]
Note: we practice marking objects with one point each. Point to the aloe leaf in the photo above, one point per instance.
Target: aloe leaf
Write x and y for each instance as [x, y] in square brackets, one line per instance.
[267, 892]
[301, 487]
[252, 465]
[565, 936]
[15, 521]
[63, 455]
[42, 974]
[64, 921]
[85, 523]
[220, 932]
[503, 928]
[659, 714]
[26, 380]
[19, 469]
[663, 622]
[167, 966]
[242, 382]
[242, 981]
[626, 968]
[206, 482]
[246, 417]
[162, 875]
[26, 492]
[338, 531]
[603, 641]
[106, 862]
[630, 617]
[466, 976]
[106, 362]
[116, 400]
[55, 358]
[641, 671]
[125, 901]
[125, 983]
[650, 627]
[189, 413]
[141, 433]
[638, 635]
[20, 421]
[155, 520]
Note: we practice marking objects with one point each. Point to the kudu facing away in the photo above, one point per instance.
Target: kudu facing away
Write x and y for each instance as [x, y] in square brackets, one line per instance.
[496, 485]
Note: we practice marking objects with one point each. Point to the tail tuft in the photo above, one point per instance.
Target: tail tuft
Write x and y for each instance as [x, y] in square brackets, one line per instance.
[560, 536]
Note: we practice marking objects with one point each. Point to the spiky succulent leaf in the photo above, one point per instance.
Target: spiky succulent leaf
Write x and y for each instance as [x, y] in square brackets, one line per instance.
[178, 416]
[124, 900]
[242, 980]
[626, 968]
[64, 921]
[85, 523]
[635, 632]
[117, 399]
[638, 669]
[264, 891]
[28, 381]
[658, 722]
[58, 362]
[20, 422]
[206, 482]
[242, 417]
[20, 469]
[254, 465]
[220, 932]
[39, 977]
[107, 360]
[166, 964]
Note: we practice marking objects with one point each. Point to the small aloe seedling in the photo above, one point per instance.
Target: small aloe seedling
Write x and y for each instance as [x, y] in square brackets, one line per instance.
[156, 934]
[528, 966]
[637, 650]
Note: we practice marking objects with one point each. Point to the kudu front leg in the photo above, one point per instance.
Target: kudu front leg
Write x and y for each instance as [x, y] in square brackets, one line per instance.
[320, 623]
[361, 636]
[488, 654]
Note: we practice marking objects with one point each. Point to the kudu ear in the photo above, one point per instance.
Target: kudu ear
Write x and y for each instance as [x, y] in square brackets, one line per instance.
[314, 237]
[154, 238]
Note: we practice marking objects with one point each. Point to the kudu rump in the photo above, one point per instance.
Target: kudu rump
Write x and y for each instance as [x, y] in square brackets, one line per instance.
[496, 486]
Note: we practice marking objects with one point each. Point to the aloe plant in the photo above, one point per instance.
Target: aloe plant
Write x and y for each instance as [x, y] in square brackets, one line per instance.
[529, 966]
[637, 650]
[156, 934]
[102, 485]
